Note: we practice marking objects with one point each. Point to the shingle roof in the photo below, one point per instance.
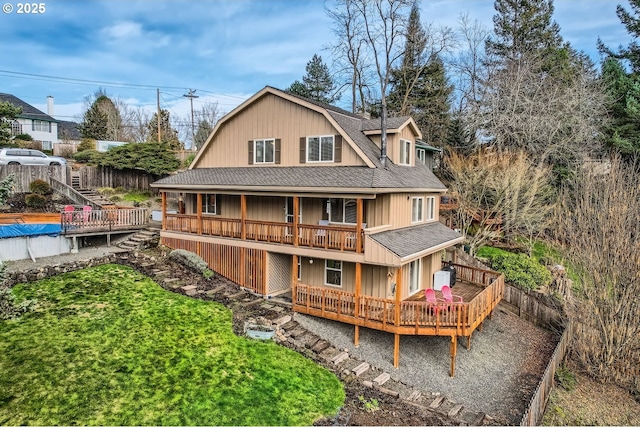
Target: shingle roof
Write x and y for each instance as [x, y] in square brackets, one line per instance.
[392, 123]
[28, 110]
[68, 130]
[320, 177]
[412, 240]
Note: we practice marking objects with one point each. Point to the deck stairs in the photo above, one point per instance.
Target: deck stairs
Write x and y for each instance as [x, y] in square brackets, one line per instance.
[145, 237]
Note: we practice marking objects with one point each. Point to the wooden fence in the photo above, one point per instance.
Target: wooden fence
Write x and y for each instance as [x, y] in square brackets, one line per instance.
[97, 176]
[25, 175]
[538, 403]
[534, 307]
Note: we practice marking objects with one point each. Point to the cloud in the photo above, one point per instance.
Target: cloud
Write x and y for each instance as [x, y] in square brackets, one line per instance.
[123, 30]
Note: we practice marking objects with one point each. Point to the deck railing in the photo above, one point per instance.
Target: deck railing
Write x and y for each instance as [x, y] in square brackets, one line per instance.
[105, 219]
[415, 317]
[342, 238]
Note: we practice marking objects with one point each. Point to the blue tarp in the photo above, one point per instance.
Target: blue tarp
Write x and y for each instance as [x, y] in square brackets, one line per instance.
[21, 230]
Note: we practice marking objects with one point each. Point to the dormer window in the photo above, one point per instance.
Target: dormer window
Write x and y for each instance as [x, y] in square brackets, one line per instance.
[405, 152]
[320, 148]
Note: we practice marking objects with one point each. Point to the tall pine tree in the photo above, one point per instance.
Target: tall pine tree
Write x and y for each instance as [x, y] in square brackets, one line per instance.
[419, 87]
[168, 135]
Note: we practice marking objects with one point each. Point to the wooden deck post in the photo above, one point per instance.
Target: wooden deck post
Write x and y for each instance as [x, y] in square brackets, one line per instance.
[356, 338]
[396, 338]
[243, 216]
[296, 219]
[454, 342]
[199, 211]
[164, 210]
[358, 225]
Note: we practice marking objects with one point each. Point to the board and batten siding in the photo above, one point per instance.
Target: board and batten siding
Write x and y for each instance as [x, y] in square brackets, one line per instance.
[271, 117]
[375, 281]
[400, 208]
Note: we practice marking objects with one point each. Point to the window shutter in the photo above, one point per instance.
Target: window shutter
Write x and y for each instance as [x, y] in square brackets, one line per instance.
[250, 152]
[303, 150]
[276, 155]
[337, 149]
[218, 207]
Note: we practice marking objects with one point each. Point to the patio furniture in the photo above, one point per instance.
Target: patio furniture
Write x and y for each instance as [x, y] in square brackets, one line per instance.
[435, 303]
[448, 296]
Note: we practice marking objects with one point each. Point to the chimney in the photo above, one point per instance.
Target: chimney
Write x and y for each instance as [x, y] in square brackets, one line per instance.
[366, 116]
[50, 105]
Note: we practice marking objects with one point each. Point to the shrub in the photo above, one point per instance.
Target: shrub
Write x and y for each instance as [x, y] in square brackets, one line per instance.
[87, 144]
[24, 137]
[106, 191]
[115, 199]
[35, 201]
[565, 378]
[8, 307]
[518, 269]
[40, 186]
[120, 190]
[86, 156]
[6, 188]
[192, 261]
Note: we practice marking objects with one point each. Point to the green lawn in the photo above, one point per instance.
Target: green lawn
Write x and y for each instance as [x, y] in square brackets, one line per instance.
[108, 346]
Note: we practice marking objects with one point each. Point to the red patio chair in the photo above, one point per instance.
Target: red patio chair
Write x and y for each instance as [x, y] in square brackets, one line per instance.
[68, 213]
[86, 212]
[448, 297]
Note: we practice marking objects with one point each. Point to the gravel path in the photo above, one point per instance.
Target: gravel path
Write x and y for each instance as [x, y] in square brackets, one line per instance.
[495, 376]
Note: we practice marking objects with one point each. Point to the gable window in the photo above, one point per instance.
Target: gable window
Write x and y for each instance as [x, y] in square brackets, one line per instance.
[343, 211]
[264, 150]
[421, 155]
[320, 148]
[41, 126]
[209, 204]
[405, 152]
[333, 273]
[431, 208]
[417, 209]
[414, 275]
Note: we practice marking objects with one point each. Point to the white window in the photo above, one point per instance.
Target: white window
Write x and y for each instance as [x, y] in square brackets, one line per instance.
[421, 155]
[405, 152]
[16, 128]
[320, 148]
[41, 126]
[47, 145]
[414, 275]
[431, 208]
[417, 209]
[264, 150]
[333, 273]
[209, 204]
[343, 211]
[299, 268]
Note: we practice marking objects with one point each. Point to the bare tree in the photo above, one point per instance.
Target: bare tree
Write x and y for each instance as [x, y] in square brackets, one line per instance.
[136, 127]
[384, 24]
[499, 195]
[349, 50]
[599, 229]
[206, 118]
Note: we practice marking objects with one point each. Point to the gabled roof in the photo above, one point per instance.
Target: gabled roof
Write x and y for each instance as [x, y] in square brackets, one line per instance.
[350, 179]
[28, 110]
[349, 125]
[417, 241]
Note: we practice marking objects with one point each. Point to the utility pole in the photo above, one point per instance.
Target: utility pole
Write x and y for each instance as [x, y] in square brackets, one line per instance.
[191, 95]
[158, 116]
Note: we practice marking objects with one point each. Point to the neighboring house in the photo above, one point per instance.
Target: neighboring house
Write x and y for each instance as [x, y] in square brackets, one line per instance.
[289, 196]
[427, 155]
[69, 132]
[42, 127]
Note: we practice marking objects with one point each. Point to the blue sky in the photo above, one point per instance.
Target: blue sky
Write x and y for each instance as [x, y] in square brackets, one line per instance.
[225, 49]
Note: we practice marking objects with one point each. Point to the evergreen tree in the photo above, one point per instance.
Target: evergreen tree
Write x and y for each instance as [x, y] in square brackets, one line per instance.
[94, 124]
[168, 135]
[317, 84]
[523, 27]
[631, 21]
[8, 112]
[419, 87]
[623, 103]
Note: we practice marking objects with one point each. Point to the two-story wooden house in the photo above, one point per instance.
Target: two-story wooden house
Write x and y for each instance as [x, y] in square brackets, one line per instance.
[291, 196]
